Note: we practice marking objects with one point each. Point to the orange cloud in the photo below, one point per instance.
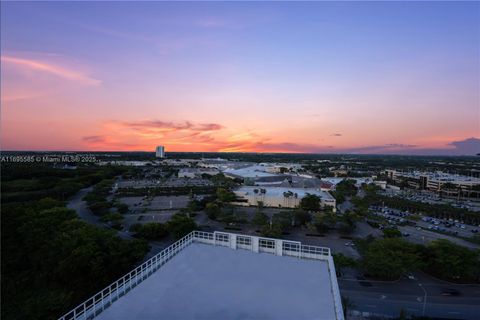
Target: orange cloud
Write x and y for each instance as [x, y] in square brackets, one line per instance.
[185, 136]
[51, 69]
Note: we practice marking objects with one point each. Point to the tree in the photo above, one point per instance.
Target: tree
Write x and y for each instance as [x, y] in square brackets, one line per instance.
[348, 222]
[224, 195]
[192, 206]
[260, 218]
[115, 219]
[72, 260]
[342, 261]
[302, 217]
[151, 230]
[284, 219]
[310, 202]
[180, 225]
[391, 233]
[453, 262]
[212, 210]
[343, 189]
[322, 222]
[390, 258]
[272, 231]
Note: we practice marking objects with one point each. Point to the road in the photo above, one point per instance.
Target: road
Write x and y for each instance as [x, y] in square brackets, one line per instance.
[76, 203]
[424, 236]
[388, 298]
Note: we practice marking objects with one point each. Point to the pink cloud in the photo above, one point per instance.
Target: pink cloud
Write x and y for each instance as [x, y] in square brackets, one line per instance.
[52, 69]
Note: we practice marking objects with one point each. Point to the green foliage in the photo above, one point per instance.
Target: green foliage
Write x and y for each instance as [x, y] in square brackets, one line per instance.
[25, 182]
[390, 258]
[150, 231]
[452, 262]
[272, 231]
[283, 219]
[342, 261]
[260, 218]
[212, 210]
[343, 189]
[348, 222]
[391, 233]
[339, 197]
[370, 188]
[192, 206]
[325, 221]
[51, 261]
[361, 205]
[302, 217]
[97, 198]
[225, 195]
[180, 225]
[310, 202]
[222, 181]
[112, 217]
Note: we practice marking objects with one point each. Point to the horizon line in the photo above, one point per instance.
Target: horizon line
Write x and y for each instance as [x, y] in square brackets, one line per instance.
[248, 152]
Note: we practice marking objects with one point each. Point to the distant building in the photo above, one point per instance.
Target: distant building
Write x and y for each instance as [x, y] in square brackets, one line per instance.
[196, 172]
[160, 152]
[279, 197]
[381, 184]
[448, 184]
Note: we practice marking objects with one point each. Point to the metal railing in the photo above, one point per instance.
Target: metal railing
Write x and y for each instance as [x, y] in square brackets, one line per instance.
[103, 299]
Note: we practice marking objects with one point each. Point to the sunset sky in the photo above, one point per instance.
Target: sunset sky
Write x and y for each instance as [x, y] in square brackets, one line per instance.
[373, 77]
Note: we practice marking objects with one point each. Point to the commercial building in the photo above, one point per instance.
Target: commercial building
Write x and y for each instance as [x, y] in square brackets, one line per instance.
[160, 152]
[250, 172]
[196, 172]
[280, 197]
[223, 276]
[448, 184]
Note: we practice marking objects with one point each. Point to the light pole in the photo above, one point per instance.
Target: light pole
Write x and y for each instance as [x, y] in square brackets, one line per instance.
[424, 298]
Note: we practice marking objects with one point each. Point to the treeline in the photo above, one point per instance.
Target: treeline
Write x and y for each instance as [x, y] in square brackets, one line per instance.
[29, 182]
[344, 189]
[178, 226]
[51, 261]
[97, 198]
[390, 258]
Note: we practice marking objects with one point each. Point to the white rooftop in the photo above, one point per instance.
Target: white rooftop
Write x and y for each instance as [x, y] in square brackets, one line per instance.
[213, 282]
[223, 276]
[279, 191]
[255, 171]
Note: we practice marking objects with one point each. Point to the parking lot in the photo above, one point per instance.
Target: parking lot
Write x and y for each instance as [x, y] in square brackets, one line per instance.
[425, 229]
[434, 198]
[145, 204]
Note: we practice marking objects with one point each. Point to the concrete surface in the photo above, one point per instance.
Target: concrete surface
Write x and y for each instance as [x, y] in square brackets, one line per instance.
[208, 282]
